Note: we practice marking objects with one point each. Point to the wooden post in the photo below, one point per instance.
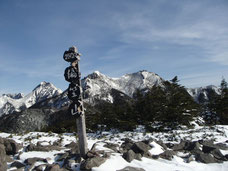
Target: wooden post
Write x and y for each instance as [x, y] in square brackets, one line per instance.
[83, 146]
[81, 126]
[72, 75]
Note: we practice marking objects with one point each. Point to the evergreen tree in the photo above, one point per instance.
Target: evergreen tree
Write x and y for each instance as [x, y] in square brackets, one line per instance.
[221, 104]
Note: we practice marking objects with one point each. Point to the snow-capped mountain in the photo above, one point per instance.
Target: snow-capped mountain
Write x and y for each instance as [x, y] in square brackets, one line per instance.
[99, 86]
[17, 102]
[203, 94]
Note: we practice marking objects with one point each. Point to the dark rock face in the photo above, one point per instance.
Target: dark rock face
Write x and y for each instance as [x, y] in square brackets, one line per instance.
[3, 163]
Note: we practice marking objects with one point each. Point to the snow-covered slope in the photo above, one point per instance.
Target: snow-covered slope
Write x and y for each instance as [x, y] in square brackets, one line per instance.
[203, 94]
[98, 85]
[11, 103]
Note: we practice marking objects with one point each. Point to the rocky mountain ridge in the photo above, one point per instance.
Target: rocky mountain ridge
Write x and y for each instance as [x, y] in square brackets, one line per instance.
[96, 87]
[18, 102]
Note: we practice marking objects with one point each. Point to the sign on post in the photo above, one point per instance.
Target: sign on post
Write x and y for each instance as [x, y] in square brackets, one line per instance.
[72, 75]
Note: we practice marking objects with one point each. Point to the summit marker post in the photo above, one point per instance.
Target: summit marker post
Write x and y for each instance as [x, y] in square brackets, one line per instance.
[76, 108]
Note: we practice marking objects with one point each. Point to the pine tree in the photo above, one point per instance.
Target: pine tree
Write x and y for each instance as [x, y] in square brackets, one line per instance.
[221, 104]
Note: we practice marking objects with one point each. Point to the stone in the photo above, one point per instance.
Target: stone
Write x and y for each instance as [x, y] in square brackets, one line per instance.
[3, 163]
[138, 156]
[140, 147]
[179, 147]
[206, 158]
[129, 155]
[40, 167]
[112, 146]
[32, 147]
[168, 154]
[221, 146]
[31, 161]
[162, 144]
[11, 146]
[218, 155]
[53, 167]
[189, 159]
[74, 147]
[92, 162]
[9, 159]
[190, 146]
[129, 168]
[17, 164]
[63, 156]
[208, 149]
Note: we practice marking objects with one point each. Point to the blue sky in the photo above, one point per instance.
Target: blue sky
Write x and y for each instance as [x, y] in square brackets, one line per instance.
[187, 38]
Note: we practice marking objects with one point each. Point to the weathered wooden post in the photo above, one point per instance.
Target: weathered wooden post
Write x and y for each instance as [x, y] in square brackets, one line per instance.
[72, 75]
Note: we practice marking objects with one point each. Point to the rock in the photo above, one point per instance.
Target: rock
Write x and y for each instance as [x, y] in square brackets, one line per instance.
[179, 147]
[40, 167]
[3, 163]
[208, 149]
[168, 154]
[9, 159]
[129, 168]
[138, 156]
[17, 164]
[92, 162]
[162, 144]
[53, 167]
[11, 146]
[190, 146]
[221, 146]
[32, 147]
[63, 156]
[127, 144]
[140, 147]
[189, 159]
[74, 147]
[155, 157]
[31, 161]
[129, 155]
[112, 146]
[218, 155]
[206, 158]
[68, 163]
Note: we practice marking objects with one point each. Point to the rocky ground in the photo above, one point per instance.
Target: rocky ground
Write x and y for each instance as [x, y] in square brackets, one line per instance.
[203, 148]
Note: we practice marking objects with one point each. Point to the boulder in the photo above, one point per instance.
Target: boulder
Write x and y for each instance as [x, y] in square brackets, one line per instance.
[17, 164]
[74, 147]
[39, 168]
[31, 161]
[140, 147]
[53, 167]
[206, 158]
[11, 146]
[3, 163]
[129, 155]
[32, 147]
[92, 162]
[168, 154]
[112, 146]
